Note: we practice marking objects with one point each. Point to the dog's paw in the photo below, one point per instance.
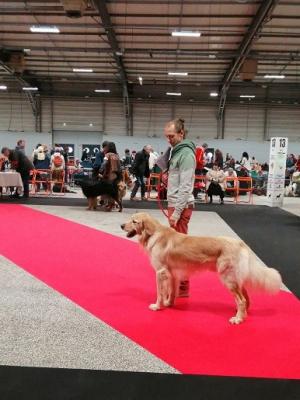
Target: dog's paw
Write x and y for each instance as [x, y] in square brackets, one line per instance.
[154, 307]
[235, 320]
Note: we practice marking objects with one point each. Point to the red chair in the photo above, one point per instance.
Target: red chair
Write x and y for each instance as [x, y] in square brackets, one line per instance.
[248, 189]
[153, 183]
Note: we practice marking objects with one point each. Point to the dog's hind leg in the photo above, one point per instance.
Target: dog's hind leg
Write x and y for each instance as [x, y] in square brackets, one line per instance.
[162, 289]
[241, 303]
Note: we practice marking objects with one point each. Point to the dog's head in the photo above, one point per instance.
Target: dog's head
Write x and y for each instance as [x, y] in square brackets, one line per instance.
[140, 224]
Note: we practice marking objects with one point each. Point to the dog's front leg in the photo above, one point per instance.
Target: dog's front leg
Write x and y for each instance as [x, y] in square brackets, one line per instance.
[162, 289]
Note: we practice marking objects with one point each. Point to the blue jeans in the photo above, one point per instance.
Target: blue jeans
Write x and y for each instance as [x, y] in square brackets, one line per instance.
[139, 183]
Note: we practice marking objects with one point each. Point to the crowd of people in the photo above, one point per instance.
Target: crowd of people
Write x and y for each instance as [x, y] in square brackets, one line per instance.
[107, 164]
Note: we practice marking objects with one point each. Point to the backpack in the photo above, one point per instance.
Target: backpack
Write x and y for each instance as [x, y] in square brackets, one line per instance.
[57, 161]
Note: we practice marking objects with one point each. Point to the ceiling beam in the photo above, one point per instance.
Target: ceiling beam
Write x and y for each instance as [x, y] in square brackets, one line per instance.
[30, 97]
[100, 5]
[262, 16]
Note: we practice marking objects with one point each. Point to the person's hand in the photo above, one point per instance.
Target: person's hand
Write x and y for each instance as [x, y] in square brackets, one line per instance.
[173, 222]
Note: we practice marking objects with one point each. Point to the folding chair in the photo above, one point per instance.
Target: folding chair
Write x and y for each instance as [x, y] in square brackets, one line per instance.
[232, 189]
[58, 178]
[42, 177]
[247, 188]
[153, 183]
[200, 184]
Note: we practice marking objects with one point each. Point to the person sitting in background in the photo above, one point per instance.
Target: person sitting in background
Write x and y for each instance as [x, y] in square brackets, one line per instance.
[253, 162]
[57, 165]
[297, 166]
[230, 176]
[245, 162]
[41, 160]
[215, 183]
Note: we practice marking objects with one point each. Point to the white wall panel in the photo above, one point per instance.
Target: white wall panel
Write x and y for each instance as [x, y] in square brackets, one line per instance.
[200, 121]
[284, 122]
[77, 115]
[16, 113]
[244, 123]
[115, 122]
[149, 119]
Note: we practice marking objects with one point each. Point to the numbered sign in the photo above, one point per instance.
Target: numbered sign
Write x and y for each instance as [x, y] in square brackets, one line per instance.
[277, 166]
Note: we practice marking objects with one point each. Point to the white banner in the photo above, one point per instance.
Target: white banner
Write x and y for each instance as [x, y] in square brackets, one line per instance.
[277, 166]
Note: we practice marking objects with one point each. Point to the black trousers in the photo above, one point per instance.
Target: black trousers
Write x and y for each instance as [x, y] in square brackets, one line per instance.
[215, 189]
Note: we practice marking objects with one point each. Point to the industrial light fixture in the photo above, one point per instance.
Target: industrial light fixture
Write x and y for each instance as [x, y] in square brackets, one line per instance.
[247, 96]
[274, 76]
[173, 94]
[186, 34]
[178, 73]
[214, 94]
[82, 70]
[3, 87]
[44, 29]
[141, 80]
[30, 88]
[102, 90]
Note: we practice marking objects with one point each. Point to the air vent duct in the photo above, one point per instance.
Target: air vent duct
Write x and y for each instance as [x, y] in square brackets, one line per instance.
[74, 8]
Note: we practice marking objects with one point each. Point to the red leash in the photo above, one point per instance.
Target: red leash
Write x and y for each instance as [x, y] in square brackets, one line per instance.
[161, 187]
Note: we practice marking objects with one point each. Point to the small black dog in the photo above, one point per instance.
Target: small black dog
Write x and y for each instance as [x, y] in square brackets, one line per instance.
[92, 189]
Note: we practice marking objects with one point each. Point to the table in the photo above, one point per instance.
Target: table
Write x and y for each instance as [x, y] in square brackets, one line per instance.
[11, 179]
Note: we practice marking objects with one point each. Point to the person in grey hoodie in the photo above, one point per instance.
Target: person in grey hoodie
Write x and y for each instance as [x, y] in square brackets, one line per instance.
[181, 176]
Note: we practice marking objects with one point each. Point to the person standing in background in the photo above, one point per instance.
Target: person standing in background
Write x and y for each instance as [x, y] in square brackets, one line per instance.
[21, 146]
[140, 170]
[21, 164]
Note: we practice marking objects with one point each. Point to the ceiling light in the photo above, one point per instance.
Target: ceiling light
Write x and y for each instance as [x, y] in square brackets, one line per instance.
[102, 90]
[33, 88]
[91, 124]
[118, 53]
[141, 80]
[274, 76]
[82, 70]
[247, 96]
[3, 87]
[214, 94]
[212, 56]
[173, 94]
[27, 50]
[186, 34]
[64, 124]
[178, 73]
[44, 29]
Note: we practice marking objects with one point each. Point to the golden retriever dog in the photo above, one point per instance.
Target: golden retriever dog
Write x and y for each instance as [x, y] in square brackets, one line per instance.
[175, 257]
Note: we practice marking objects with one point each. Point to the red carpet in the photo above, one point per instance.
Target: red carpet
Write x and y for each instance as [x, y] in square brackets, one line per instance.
[111, 278]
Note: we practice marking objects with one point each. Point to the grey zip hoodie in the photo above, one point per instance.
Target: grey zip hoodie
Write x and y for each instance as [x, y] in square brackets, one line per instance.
[181, 179]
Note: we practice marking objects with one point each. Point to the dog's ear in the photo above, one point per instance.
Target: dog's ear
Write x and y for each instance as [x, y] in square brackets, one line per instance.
[149, 226]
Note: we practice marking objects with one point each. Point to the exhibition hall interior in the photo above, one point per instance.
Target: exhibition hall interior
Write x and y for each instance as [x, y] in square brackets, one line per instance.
[149, 199]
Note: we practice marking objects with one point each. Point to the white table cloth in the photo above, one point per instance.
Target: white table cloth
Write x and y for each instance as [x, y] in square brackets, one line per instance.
[11, 179]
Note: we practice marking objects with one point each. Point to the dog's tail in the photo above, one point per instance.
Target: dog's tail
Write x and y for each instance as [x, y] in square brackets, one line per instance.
[259, 276]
